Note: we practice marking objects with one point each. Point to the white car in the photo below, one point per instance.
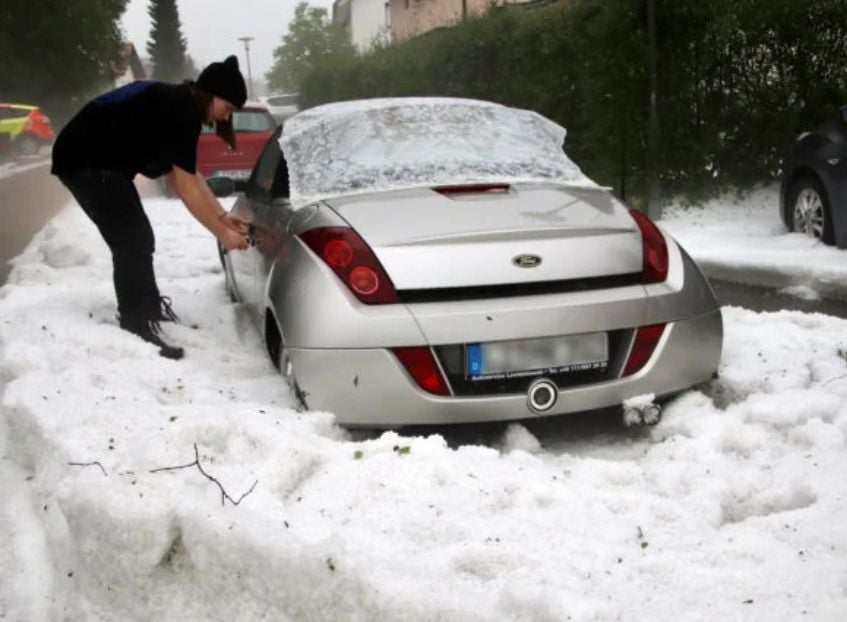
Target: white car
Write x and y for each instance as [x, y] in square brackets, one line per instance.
[281, 105]
[433, 260]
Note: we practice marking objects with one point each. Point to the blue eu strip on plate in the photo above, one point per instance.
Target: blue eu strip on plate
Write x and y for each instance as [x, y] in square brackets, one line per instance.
[474, 359]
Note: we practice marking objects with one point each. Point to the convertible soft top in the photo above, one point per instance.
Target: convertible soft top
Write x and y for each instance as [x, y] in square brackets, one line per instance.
[385, 144]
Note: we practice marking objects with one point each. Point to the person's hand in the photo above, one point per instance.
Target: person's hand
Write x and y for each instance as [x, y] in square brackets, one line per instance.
[233, 240]
[235, 222]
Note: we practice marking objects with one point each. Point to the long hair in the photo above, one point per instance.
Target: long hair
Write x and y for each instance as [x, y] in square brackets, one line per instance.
[223, 129]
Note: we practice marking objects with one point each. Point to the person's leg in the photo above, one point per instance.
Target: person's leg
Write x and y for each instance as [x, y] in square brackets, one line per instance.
[113, 204]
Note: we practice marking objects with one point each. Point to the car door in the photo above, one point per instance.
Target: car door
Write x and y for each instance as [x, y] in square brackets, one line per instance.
[271, 231]
[6, 120]
[261, 207]
[5, 132]
[243, 265]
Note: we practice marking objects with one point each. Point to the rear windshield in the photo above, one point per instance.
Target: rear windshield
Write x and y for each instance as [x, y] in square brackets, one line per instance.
[247, 121]
[384, 144]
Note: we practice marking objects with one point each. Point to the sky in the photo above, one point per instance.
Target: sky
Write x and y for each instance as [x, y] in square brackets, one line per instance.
[213, 28]
[731, 508]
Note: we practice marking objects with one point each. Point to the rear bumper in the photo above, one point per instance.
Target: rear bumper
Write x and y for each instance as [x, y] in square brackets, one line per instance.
[369, 387]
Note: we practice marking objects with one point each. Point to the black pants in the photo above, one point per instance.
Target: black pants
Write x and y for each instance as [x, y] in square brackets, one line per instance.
[112, 202]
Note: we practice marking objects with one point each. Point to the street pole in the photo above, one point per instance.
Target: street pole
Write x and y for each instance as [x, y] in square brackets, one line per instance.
[654, 190]
[247, 41]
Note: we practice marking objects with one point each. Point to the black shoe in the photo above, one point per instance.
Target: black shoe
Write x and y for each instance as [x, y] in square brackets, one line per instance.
[148, 330]
[164, 312]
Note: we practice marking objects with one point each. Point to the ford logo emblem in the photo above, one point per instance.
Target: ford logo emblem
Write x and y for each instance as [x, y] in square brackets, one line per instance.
[527, 261]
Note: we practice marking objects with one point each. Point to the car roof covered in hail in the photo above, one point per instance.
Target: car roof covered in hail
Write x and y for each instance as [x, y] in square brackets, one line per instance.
[385, 144]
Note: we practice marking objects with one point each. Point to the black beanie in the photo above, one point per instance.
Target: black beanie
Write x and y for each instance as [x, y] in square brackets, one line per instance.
[224, 80]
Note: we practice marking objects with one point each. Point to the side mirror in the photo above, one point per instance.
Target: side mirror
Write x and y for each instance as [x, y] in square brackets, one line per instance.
[221, 186]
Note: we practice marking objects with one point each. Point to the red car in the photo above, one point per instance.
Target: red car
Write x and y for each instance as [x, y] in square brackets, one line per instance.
[253, 126]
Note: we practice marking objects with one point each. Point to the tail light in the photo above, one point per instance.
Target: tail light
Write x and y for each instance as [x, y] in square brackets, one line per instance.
[421, 365]
[354, 262]
[646, 339]
[654, 251]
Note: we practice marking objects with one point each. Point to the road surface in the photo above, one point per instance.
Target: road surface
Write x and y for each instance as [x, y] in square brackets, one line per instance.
[765, 299]
[29, 199]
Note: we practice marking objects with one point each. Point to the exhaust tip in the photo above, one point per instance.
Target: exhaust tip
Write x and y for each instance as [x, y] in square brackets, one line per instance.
[646, 415]
[542, 395]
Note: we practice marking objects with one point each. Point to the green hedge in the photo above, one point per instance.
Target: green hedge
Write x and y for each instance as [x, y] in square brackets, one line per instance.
[738, 80]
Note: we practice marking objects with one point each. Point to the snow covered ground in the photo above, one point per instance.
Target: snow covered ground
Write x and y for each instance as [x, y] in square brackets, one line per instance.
[732, 508]
[742, 239]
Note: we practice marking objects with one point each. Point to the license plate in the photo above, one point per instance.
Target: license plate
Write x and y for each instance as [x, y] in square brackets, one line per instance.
[528, 357]
[243, 173]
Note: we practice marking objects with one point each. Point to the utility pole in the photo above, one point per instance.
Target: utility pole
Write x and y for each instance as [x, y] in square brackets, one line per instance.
[246, 41]
[654, 191]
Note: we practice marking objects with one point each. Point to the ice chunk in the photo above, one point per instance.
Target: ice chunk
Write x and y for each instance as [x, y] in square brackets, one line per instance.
[384, 144]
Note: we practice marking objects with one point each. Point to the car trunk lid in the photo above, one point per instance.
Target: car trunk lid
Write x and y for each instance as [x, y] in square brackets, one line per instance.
[428, 239]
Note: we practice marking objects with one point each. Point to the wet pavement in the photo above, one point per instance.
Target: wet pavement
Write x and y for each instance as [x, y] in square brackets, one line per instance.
[766, 299]
[29, 198]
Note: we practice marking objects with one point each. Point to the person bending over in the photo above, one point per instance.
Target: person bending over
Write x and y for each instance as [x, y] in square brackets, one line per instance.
[149, 128]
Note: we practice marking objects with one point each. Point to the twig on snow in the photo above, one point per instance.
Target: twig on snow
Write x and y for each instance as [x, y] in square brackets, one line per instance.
[88, 464]
[833, 379]
[224, 494]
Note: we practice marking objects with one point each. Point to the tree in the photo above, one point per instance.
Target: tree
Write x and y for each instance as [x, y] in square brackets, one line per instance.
[167, 46]
[311, 39]
[58, 53]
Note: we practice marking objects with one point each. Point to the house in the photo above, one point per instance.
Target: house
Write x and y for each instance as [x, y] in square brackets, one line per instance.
[366, 21]
[413, 17]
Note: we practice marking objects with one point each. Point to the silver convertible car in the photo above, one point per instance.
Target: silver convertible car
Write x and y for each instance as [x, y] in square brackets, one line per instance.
[435, 260]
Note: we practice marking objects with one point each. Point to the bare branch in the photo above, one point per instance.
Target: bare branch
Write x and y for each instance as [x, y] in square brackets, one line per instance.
[88, 464]
[224, 494]
[833, 379]
[174, 468]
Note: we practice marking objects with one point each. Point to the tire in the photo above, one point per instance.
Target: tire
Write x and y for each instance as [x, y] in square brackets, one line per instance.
[278, 354]
[808, 210]
[27, 145]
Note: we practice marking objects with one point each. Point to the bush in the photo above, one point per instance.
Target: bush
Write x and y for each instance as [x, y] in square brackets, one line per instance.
[737, 81]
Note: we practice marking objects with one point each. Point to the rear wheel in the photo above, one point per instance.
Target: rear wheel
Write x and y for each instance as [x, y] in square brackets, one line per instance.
[27, 145]
[809, 211]
[279, 357]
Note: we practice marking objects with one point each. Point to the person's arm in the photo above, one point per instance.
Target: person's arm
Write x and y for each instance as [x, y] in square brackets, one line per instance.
[205, 207]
